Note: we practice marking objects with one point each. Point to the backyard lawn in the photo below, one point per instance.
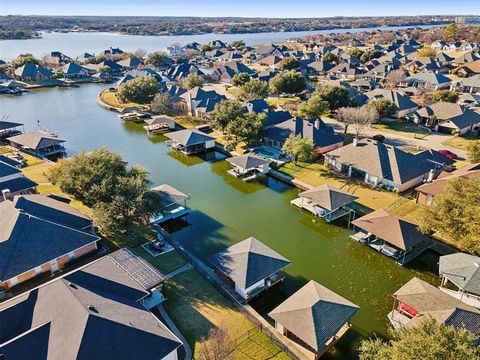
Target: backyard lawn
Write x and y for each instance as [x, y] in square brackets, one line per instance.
[315, 174]
[110, 98]
[187, 121]
[282, 101]
[402, 128]
[461, 142]
[196, 306]
[165, 263]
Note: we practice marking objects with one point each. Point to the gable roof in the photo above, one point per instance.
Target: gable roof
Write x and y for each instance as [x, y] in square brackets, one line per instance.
[248, 262]
[400, 101]
[393, 229]
[314, 314]
[89, 314]
[438, 185]
[428, 77]
[5, 125]
[459, 115]
[328, 197]
[463, 270]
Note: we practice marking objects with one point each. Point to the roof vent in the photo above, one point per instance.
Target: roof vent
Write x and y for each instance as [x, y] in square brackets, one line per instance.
[72, 285]
[92, 308]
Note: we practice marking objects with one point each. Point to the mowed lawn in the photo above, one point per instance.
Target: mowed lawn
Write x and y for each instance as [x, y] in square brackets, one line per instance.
[196, 306]
[461, 142]
[315, 174]
[402, 128]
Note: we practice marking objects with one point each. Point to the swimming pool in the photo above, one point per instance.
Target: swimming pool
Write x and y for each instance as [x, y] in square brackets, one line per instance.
[269, 153]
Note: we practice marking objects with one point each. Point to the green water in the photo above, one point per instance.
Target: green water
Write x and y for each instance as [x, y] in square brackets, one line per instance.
[226, 210]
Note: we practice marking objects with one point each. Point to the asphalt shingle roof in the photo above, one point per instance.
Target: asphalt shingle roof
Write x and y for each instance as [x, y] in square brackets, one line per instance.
[463, 270]
[328, 197]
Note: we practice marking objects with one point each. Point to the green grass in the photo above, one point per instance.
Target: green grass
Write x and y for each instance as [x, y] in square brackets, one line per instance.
[166, 263]
[196, 306]
[282, 101]
[461, 142]
[402, 128]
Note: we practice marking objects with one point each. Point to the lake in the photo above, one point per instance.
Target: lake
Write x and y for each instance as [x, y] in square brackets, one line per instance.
[74, 44]
[226, 210]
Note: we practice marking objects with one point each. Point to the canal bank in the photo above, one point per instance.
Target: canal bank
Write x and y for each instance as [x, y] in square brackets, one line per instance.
[226, 210]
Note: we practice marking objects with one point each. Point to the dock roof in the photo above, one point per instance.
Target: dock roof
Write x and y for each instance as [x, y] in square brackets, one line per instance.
[247, 161]
[393, 229]
[5, 125]
[170, 194]
[189, 137]
[328, 197]
[314, 314]
[463, 270]
[248, 262]
[35, 140]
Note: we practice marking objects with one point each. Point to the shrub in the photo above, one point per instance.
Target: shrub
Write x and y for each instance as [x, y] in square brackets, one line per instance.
[378, 137]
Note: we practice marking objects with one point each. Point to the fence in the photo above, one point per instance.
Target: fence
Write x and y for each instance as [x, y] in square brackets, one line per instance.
[260, 323]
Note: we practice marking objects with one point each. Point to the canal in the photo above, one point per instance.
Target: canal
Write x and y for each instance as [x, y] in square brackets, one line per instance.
[226, 210]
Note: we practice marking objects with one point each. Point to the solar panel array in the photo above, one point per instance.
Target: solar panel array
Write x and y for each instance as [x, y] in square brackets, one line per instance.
[140, 270]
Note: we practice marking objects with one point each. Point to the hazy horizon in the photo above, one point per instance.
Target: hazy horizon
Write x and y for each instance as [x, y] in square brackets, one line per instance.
[246, 8]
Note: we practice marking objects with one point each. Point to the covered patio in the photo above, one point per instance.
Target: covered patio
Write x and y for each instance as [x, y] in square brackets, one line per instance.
[248, 166]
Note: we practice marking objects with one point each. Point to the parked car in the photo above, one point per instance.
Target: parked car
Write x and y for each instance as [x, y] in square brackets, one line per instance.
[448, 154]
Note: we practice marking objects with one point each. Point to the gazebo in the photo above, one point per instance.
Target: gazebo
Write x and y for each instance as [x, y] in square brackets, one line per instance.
[325, 201]
[248, 166]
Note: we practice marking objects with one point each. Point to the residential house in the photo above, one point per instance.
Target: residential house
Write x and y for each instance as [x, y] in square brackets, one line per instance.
[75, 71]
[428, 80]
[272, 61]
[199, 102]
[130, 63]
[444, 59]
[56, 59]
[257, 106]
[12, 180]
[38, 143]
[323, 137]
[225, 72]
[466, 58]
[447, 117]
[468, 69]
[438, 45]
[463, 272]
[377, 163]
[427, 191]
[417, 300]
[83, 58]
[112, 51]
[314, 317]
[249, 267]
[345, 70]
[96, 312]
[403, 105]
[319, 67]
[32, 72]
[41, 234]
[390, 234]
[8, 128]
[471, 84]
[181, 71]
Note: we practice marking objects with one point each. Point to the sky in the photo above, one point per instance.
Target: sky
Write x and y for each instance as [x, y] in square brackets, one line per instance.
[241, 8]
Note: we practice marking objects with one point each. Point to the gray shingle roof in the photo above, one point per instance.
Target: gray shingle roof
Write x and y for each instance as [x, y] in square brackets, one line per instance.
[247, 161]
[4, 125]
[428, 77]
[18, 184]
[328, 197]
[400, 101]
[314, 314]
[463, 270]
[93, 313]
[460, 116]
[35, 140]
[189, 137]
[248, 262]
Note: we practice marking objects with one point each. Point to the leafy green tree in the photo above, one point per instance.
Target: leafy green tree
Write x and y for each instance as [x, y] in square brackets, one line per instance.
[240, 79]
[248, 128]
[224, 113]
[427, 341]
[289, 82]
[23, 59]
[159, 103]
[473, 151]
[451, 32]
[383, 107]
[427, 51]
[192, 81]
[336, 96]
[253, 89]
[117, 194]
[299, 148]
[445, 95]
[139, 90]
[455, 214]
[314, 107]
[369, 55]
[238, 44]
[331, 58]
[158, 58]
[289, 63]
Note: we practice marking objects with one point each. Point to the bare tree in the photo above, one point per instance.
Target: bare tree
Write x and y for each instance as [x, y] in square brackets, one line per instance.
[140, 53]
[394, 78]
[219, 345]
[358, 118]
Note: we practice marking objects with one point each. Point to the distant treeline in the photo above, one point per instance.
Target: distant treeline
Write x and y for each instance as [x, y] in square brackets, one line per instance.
[197, 25]
[16, 33]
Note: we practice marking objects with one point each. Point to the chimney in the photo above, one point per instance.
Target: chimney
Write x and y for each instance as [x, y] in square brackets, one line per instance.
[6, 194]
[355, 142]
[317, 124]
[431, 176]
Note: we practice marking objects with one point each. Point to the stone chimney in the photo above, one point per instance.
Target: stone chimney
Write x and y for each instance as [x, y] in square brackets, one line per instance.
[431, 176]
[6, 194]
[317, 124]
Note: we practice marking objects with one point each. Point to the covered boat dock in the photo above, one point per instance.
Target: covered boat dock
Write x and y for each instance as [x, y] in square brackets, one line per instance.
[175, 204]
[248, 166]
[159, 124]
[38, 143]
[325, 201]
[391, 235]
[190, 141]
